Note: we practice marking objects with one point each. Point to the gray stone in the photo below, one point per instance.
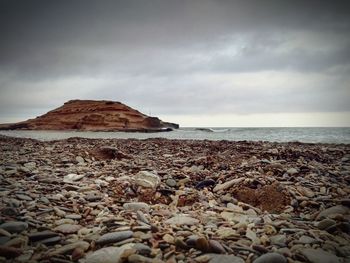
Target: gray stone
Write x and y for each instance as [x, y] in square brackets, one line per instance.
[147, 179]
[106, 255]
[50, 240]
[214, 258]
[325, 223]
[4, 240]
[141, 216]
[80, 159]
[135, 206]
[67, 228]
[279, 240]
[319, 256]
[24, 197]
[216, 247]
[70, 178]
[338, 209]
[14, 227]
[292, 171]
[41, 235]
[307, 240]
[170, 182]
[271, 258]
[182, 220]
[69, 248]
[142, 249]
[73, 216]
[227, 184]
[30, 165]
[139, 259]
[114, 237]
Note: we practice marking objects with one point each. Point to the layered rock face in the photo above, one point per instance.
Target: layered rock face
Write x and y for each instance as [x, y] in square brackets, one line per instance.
[91, 115]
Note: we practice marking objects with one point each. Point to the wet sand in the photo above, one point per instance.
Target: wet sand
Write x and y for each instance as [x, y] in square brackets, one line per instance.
[159, 200]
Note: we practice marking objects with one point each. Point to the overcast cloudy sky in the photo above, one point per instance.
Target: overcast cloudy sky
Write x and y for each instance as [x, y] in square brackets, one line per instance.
[195, 62]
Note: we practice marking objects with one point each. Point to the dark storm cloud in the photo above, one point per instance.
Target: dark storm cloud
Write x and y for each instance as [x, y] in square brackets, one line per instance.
[176, 56]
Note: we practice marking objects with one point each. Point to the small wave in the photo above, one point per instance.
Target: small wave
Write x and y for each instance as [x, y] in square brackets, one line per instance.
[211, 130]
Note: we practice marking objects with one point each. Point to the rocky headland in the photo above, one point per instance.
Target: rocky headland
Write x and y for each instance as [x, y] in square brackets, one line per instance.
[93, 115]
[158, 200]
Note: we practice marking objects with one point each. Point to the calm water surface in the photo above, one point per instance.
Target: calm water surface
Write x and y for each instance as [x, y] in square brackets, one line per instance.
[310, 135]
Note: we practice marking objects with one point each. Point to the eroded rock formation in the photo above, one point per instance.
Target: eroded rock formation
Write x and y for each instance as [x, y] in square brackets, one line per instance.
[92, 115]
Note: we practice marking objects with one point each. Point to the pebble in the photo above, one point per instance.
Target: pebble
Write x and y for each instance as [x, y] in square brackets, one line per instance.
[216, 247]
[73, 216]
[205, 183]
[271, 258]
[214, 258]
[105, 255]
[14, 226]
[9, 252]
[147, 179]
[70, 178]
[256, 212]
[114, 237]
[135, 206]
[292, 171]
[307, 240]
[69, 248]
[325, 223]
[67, 228]
[50, 240]
[319, 256]
[338, 209]
[227, 185]
[202, 244]
[168, 238]
[170, 182]
[24, 197]
[80, 159]
[141, 216]
[140, 259]
[41, 235]
[142, 249]
[279, 240]
[182, 220]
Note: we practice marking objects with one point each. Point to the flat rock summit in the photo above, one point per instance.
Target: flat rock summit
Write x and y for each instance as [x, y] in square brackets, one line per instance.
[93, 115]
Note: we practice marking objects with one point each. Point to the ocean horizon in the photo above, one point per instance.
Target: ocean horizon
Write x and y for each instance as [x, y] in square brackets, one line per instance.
[272, 134]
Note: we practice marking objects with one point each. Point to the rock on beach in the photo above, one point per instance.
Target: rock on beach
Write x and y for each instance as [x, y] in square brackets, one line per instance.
[159, 200]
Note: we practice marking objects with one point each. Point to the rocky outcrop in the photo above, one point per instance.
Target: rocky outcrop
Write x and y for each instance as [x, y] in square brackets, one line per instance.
[92, 115]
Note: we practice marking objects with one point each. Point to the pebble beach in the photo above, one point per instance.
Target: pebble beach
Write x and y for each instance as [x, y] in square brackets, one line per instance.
[160, 200]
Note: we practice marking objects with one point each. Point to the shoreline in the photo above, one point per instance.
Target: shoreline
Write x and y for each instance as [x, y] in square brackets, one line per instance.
[171, 200]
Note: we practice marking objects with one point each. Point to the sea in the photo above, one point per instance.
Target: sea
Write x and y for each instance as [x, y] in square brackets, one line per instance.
[307, 135]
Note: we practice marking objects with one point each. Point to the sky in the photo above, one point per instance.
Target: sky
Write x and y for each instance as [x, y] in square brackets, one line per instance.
[202, 63]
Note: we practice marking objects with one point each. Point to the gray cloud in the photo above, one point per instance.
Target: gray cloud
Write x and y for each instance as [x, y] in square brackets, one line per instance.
[176, 57]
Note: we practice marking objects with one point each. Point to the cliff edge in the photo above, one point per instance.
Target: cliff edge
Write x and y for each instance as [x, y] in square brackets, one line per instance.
[93, 115]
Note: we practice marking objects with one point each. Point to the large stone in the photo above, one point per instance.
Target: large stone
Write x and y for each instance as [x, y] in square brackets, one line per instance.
[67, 228]
[41, 235]
[70, 178]
[182, 220]
[338, 209]
[135, 206]
[325, 223]
[114, 237]
[69, 248]
[228, 184]
[271, 258]
[106, 255]
[14, 227]
[214, 258]
[319, 256]
[147, 179]
[279, 240]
